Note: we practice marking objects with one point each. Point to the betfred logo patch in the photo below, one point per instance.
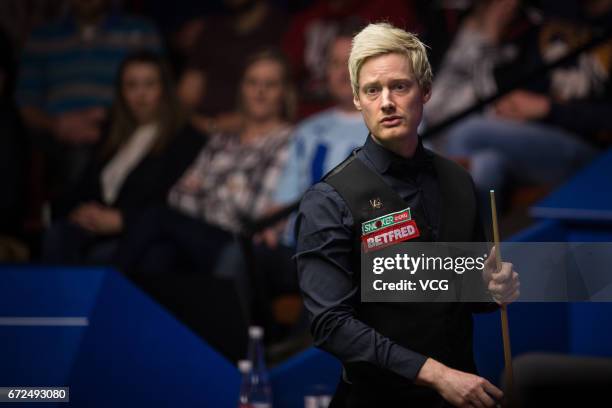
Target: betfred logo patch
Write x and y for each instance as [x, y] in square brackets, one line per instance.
[390, 235]
[385, 221]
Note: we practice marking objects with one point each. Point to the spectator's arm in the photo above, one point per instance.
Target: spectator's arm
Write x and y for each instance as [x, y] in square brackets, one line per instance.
[77, 127]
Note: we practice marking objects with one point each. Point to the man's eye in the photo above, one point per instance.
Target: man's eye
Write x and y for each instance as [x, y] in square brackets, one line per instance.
[371, 91]
[400, 87]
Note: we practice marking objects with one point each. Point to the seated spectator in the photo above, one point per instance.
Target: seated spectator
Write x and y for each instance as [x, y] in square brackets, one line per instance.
[12, 162]
[216, 50]
[147, 149]
[230, 183]
[325, 139]
[311, 31]
[466, 75]
[66, 83]
[542, 133]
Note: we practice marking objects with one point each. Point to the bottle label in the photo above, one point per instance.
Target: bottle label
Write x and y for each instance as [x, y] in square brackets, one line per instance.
[317, 401]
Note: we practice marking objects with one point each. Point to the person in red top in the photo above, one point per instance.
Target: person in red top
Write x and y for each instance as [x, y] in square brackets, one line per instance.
[311, 31]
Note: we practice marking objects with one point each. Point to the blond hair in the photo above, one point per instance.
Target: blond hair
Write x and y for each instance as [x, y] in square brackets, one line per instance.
[383, 38]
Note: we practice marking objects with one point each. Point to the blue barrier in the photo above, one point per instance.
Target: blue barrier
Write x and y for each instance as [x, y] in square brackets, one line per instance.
[309, 372]
[586, 197]
[118, 349]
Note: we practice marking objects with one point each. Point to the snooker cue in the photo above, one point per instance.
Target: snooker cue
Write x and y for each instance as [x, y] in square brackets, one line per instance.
[504, 311]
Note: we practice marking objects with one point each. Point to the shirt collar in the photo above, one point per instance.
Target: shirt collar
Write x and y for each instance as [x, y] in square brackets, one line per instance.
[385, 161]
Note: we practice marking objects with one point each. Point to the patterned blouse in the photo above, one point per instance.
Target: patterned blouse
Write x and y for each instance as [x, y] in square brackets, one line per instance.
[231, 182]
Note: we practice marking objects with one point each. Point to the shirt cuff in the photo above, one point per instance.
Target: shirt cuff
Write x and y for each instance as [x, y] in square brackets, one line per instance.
[406, 363]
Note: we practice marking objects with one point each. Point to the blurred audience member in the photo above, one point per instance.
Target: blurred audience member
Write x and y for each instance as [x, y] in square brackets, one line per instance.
[466, 74]
[325, 139]
[230, 184]
[311, 31]
[12, 159]
[147, 149]
[18, 17]
[66, 81]
[217, 49]
[545, 131]
[179, 23]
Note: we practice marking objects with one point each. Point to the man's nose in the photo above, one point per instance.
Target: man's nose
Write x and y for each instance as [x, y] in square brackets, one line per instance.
[387, 104]
[261, 88]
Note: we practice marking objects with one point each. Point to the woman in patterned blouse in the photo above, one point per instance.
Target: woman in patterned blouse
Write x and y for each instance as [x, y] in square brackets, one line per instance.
[230, 183]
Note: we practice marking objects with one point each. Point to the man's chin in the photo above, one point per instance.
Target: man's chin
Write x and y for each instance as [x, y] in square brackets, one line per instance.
[393, 133]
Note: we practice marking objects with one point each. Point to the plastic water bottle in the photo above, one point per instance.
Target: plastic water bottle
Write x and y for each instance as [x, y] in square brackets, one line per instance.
[244, 401]
[260, 393]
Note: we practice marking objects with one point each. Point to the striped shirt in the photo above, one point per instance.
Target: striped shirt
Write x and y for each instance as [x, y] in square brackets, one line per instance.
[64, 68]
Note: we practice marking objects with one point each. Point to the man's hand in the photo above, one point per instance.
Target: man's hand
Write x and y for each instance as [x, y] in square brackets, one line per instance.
[521, 105]
[504, 285]
[458, 388]
[80, 127]
[98, 219]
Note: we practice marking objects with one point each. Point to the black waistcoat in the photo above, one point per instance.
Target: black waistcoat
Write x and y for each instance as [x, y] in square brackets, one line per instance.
[442, 331]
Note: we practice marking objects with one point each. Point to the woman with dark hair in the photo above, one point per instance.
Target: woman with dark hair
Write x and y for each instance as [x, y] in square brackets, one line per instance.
[230, 183]
[146, 150]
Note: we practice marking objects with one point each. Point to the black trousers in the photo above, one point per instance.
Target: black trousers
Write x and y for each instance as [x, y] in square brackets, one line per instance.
[162, 240]
[165, 241]
[66, 243]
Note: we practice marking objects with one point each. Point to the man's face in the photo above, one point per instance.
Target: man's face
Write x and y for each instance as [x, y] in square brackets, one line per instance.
[338, 79]
[390, 99]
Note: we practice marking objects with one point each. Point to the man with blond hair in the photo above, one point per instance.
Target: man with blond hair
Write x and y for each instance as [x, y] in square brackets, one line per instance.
[393, 354]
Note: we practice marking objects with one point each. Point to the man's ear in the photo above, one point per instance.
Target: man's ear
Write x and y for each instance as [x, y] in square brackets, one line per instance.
[356, 102]
[426, 95]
